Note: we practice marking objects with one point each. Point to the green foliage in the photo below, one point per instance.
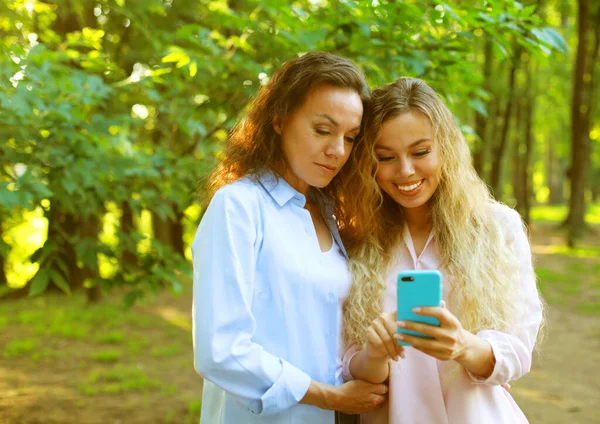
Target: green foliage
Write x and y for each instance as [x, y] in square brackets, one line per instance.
[113, 104]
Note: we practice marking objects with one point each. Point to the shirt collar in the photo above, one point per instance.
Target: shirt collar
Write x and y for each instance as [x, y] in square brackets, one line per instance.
[282, 193]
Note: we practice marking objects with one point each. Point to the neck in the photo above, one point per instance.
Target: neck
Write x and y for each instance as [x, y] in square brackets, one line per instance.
[289, 177]
[418, 218]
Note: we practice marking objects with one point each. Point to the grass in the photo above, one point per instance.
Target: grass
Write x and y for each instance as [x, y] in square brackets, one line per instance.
[558, 213]
[569, 276]
[107, 356]
[115, 337]
[20, 347]
[117, 380]
[112, 359]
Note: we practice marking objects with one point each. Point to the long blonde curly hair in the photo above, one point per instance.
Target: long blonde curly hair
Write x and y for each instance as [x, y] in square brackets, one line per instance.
[475, 255]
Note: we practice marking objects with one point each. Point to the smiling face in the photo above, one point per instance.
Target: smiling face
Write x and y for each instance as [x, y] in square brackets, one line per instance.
[317, 137]
[409, 161]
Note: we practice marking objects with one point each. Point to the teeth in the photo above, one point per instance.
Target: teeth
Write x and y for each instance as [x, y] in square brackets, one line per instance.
[410, 187]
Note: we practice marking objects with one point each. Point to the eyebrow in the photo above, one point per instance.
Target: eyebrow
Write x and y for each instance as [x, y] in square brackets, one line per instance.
[334, 122]
[413, 144]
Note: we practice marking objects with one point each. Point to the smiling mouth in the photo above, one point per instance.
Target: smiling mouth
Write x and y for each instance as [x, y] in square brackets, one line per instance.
[410, 187]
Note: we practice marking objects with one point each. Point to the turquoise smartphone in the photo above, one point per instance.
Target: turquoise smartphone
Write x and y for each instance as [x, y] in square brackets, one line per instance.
[417, 289]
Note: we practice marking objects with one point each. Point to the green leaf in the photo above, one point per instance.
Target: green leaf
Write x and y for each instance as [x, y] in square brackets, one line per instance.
[193, 68]
[552, 38]
[528, 10]
[60, 281]
[478, 106]
[39, 283]
[132, 297]
[69, 185]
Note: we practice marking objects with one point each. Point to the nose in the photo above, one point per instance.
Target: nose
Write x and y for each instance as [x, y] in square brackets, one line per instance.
[405, 168]
[337, 147]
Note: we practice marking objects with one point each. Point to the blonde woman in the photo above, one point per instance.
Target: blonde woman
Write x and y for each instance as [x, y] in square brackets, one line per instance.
[419, 205]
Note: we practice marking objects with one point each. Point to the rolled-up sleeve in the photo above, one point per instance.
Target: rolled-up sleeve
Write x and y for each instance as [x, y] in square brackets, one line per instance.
[350, 351]
[224, 258]
[513, 351]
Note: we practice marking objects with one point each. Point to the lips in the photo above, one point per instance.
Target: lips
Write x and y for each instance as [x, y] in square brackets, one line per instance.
[410, 187]
[329, 168]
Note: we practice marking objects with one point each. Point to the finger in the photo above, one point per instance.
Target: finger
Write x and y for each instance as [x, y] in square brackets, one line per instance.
[377, 399]
[427, 329]
[374, 340]
[444, 304]
[380, 389]
[421, 343]
[391, 327]
[386, 338]
[442, 314]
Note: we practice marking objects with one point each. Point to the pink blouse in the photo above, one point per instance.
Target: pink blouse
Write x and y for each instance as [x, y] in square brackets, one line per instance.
[423, 389]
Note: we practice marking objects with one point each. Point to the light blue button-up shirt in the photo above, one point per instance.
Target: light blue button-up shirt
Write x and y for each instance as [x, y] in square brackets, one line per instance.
[267, 309]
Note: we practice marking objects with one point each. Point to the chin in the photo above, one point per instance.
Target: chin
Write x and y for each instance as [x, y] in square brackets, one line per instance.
[320, 182]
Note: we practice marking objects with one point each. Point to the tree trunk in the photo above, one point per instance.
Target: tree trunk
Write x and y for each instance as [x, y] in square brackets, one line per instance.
[169, 231]
[128, 257]
[177, 233]
[89, 232]
[554, 175]
[517, 162]
[580, 120]
[500, 148]
[3, 279]
[526, 182]
[481, 121]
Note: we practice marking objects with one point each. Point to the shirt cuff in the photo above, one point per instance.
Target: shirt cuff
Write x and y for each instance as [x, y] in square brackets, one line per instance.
[287, 391]
[352, 350]
[497, 377]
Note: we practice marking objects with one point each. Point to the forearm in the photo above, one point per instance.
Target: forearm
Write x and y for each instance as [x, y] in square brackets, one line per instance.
[478, 356]
[320, 395]
[369, 369]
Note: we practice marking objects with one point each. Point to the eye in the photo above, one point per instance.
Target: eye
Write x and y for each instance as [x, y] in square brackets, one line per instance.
[350, 139]
[322, 132]
[421, 153]
[384, 158]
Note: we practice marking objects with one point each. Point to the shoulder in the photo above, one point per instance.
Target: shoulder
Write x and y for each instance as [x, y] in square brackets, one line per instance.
[244, 194]
[505, 215]
[509, 222]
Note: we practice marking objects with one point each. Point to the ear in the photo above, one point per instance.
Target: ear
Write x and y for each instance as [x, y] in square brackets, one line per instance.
[277, 124]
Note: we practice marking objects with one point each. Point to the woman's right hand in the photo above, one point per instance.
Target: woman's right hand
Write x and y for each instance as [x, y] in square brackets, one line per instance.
[381, 343]
[359, 397]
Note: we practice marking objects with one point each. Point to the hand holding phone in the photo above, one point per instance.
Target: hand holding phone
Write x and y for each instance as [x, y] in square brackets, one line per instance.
[418, 289]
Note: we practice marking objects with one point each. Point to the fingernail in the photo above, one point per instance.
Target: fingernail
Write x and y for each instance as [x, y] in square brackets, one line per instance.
[401, 324]
[416, 309]
[399, 336]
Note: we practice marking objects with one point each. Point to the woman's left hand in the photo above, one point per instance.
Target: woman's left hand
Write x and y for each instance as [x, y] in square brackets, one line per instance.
[449, 340]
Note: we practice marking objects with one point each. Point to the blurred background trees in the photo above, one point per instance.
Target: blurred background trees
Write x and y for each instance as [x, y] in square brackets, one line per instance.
[112, 111]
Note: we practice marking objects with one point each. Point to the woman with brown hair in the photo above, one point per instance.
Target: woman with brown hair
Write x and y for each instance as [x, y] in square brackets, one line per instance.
[419, 205]
[270, 270]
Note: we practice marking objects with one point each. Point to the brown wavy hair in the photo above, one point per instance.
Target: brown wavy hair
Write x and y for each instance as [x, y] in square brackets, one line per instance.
[253, 146]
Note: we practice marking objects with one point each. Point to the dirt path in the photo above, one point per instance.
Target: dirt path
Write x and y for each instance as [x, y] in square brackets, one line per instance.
[564, 384]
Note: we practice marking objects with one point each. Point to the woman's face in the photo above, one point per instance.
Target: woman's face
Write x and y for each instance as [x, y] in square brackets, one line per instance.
[317, 137]
[409, 162]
